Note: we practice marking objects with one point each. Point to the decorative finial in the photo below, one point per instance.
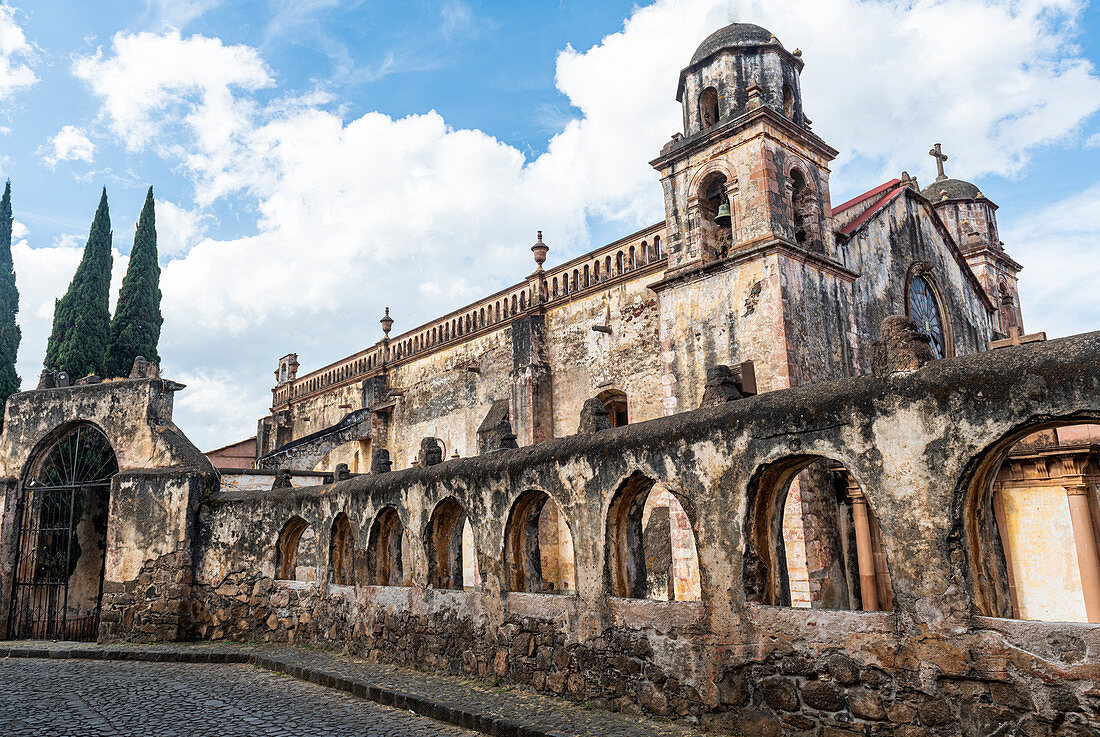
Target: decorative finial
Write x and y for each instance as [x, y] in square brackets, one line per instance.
[797, 52]
[387, 323]
[540, 249]
[940, 157]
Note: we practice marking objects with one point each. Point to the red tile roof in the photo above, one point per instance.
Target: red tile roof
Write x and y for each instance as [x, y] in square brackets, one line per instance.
[866, 195]
[871, 211]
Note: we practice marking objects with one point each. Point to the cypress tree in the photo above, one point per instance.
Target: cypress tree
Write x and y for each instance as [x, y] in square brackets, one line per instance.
[135, 329]
[9, 306]
[82, 318]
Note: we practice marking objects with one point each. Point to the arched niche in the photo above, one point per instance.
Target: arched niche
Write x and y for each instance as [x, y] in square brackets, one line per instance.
[341, 557]
[296, 551]
[1027, 523]
[538, 546]
[812, 539]
[651, 545]
[452, 553]
[387, 550]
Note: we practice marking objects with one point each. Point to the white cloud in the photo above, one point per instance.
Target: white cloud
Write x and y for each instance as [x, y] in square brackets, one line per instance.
[154, 85]
[70, 144]
[16, 55]
[356, 215]
[178, 229]
[1057, 246]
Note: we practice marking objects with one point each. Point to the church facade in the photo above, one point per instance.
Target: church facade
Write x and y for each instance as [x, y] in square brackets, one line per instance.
[754, 271]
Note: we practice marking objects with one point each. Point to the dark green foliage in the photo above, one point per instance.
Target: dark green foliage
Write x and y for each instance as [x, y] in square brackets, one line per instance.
[9, 306]
[82, 318]
[135, 329]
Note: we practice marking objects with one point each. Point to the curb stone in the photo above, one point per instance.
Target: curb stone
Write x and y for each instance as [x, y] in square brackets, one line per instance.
[496, 726]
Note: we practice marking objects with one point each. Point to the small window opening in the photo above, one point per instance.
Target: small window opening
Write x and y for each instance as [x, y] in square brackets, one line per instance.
[614, 401]
[708, 104]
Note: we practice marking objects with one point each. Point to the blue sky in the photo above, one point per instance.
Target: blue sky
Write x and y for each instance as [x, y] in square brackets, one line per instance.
[315, 161]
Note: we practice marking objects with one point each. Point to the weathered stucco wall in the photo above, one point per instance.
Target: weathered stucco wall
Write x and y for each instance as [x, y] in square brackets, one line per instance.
[919, 443]
[446, 394]
[585, 362]
[885, 252]
[325, 409]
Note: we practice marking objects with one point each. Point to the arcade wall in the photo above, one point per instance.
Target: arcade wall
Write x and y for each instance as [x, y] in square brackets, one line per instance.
[922, 445]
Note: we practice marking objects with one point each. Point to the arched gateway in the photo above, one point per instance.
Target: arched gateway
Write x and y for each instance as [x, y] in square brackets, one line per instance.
[58, 581]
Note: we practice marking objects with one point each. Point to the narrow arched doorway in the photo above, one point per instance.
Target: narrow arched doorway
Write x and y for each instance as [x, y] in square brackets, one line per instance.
[58, 581]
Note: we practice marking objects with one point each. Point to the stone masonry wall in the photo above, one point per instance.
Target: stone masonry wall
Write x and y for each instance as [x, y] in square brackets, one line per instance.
[918, 443]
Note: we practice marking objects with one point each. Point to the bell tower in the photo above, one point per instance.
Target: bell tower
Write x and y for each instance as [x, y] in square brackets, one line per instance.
[747, 172]
[753, 269]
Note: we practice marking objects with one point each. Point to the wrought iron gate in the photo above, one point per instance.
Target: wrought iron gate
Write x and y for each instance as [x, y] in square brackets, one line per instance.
[75, 468]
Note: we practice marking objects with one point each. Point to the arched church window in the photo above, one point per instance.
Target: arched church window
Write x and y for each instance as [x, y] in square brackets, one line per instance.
[656, 247]
[708, 107]
[924, 310]
[788, 102]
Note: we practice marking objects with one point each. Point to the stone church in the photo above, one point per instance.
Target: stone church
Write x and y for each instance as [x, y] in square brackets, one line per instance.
[753, 268]
[771, 465]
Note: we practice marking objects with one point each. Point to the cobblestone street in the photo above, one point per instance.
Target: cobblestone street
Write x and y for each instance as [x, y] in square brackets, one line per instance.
[57, 698]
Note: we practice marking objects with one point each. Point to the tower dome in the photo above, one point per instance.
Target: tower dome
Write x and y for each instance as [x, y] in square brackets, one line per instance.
[736, 69]
[735, 35]
[951, 189]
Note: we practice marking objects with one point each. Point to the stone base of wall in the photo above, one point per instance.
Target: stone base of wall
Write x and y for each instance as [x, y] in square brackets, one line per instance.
[778, 684]
[154, 607]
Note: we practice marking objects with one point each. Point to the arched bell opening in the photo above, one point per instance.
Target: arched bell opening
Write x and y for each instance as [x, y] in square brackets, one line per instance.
[715, 218]
[57, 585]
[708, 107]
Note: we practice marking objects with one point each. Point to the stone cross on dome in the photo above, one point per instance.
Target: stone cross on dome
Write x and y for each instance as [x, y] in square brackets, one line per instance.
[940, 157]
